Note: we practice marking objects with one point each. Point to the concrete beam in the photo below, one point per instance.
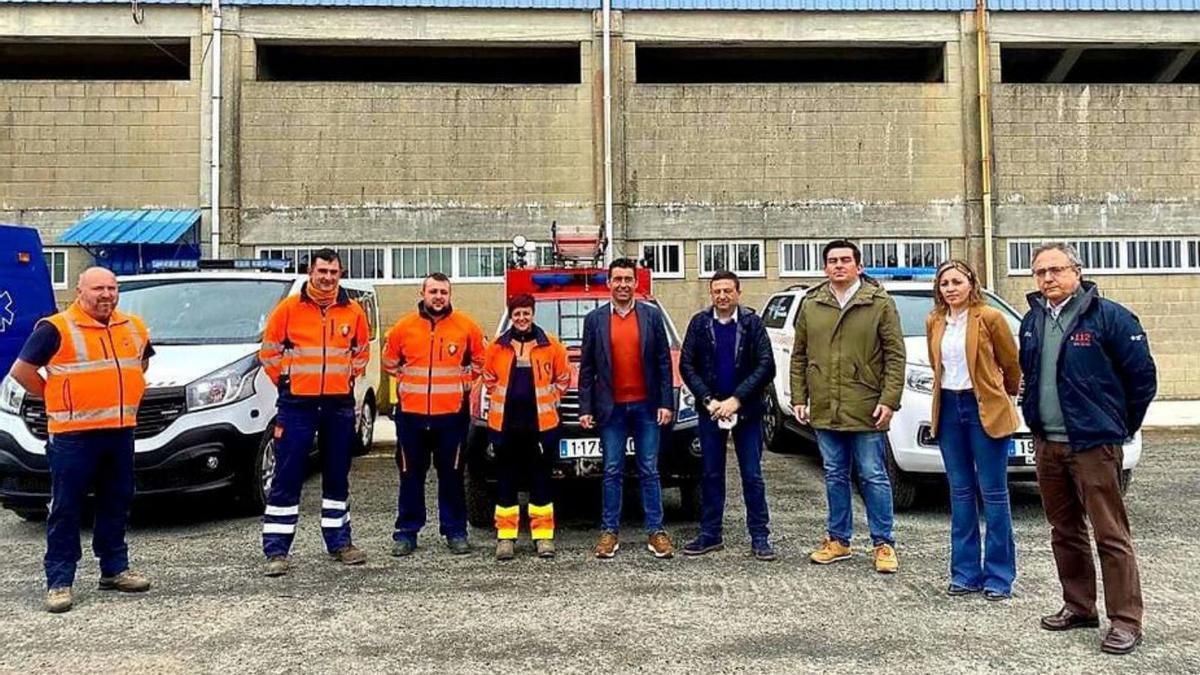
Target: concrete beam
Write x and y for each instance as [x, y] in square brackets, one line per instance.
[99, 21]
[372, 23]
[1172, 70]
[1065, 63]
[795, 221]
[1098, 219]
[813, 27]
[1095, 27]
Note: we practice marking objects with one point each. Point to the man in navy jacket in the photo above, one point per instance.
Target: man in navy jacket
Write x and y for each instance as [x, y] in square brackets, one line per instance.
[727, 363]
[626, 391]
[1089, 379]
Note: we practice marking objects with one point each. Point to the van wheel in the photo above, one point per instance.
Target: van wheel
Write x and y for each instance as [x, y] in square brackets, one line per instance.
[773, 430]
[32, 514]
[480, 502]
[256, 477]
[690, 501]
[364, 434]
[904, 488]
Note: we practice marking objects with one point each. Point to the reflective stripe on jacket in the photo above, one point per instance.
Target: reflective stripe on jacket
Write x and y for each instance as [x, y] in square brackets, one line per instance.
[551, 377]
[95, 380]
[434, 360]
[315, 351]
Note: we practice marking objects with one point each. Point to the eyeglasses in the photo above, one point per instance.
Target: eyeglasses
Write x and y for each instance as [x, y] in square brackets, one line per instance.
[1051, 271]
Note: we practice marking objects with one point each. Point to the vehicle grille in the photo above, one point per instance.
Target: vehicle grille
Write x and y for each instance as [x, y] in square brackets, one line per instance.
[159, 408]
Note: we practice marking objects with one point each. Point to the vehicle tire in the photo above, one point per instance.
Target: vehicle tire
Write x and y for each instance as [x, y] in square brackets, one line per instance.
[774, 432]
[904, 488]
[1126, 479]
[32, 514]
[364, 426]
[481, 501]
[254, 481]
[689, 501]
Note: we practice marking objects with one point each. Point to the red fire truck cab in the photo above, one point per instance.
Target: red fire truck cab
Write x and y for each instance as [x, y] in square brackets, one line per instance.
[572, 285]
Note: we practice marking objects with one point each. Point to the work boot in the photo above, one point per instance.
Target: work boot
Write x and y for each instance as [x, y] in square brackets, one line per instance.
[763, 550]
[660, 545]
[349, 555]
[59, 600]
[403, 547]
[703, 544]
[885, 559]
[831, 551]
[277, 566]
[545, 548]
[126, 582]
[458, 545]
[504, 549]
[608, 545]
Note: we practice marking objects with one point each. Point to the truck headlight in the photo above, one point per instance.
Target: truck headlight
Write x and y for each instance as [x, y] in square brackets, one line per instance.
[687, 405]
[919, 379]
[228, 385]
[12, 395]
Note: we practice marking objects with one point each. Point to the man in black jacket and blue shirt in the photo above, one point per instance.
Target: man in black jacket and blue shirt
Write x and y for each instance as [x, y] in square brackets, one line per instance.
[726, 361]
[1089, 379]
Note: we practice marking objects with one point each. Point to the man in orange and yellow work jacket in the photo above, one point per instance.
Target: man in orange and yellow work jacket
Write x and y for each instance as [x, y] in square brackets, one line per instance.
[314, 348]
[94, 358]
[435, 354]
[526, 374]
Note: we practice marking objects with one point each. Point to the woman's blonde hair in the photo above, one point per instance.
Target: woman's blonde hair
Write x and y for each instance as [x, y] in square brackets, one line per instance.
[975, 297]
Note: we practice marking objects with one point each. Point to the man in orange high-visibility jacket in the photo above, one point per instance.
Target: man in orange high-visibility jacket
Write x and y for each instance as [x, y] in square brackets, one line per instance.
[94, 358]
[436, 354]
[526, 374]
[315, 346]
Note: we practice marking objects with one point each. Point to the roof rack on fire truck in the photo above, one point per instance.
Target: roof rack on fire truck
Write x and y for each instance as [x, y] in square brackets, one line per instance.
[577, 248]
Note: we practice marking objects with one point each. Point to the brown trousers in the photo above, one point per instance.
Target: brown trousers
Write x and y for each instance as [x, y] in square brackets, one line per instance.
[1075, 485]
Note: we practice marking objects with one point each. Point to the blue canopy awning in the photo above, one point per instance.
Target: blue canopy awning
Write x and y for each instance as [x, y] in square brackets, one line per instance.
[145, 226]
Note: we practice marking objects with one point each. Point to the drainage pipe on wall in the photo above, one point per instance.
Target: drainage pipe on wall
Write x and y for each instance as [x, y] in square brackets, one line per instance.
[606, 16]
[985, 139]
[214, 179]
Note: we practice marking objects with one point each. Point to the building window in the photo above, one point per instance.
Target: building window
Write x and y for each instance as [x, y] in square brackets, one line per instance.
[1117, 255]
[56, 261]
[801, 258]
[482, 262]
[665, 259]
[358, 263]
[417, 262]
[743, 257]
[900, 253]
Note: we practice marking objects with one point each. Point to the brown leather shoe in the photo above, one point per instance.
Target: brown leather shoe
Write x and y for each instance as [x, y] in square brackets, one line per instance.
[660, 545]
[1065, 619]
[608, 545]
[126, 582]
[1120, 640]
[349, 555]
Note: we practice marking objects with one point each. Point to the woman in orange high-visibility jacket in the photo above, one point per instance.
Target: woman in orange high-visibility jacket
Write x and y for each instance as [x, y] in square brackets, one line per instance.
[526, 374]
[436, 354]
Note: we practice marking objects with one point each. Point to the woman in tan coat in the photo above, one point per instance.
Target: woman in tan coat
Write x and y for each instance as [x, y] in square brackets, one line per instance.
[976, 372]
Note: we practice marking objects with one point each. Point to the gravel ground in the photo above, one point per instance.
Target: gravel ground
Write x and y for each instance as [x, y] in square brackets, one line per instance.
[212, 611]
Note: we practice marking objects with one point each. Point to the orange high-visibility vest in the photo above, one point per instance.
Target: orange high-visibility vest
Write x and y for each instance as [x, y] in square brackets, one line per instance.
[319, 350]
[551, 377]
[95, 380]
[435, 362]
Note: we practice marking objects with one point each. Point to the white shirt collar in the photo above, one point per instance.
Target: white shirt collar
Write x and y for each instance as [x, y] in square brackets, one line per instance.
[734, 317]
[1055, 310]
[618, 312]
[849, 292]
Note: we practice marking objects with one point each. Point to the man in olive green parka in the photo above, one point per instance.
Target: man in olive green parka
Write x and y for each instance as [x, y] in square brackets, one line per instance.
[847, 375]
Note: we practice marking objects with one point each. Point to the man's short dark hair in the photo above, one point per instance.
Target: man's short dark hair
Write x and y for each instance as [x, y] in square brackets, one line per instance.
[841, 243]
[623, 263]
[435, 276]
[328, 255]
[722, 275]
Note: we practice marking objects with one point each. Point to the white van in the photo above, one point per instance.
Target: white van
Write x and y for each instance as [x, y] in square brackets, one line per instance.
[913, 458]
[205, 422]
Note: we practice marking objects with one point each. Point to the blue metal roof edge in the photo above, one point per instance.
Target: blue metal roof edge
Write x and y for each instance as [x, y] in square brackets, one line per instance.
[131, 226]
[703, 5]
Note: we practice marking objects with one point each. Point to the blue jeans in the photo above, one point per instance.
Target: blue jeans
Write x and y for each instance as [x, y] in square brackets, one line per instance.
[867, 450]
[638, 421]
[301, 419]
[977, 470]
[420, 439]
[99, 461]
[747, 443]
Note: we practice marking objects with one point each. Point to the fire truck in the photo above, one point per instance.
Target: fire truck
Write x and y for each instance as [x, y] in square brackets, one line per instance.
[568, 282]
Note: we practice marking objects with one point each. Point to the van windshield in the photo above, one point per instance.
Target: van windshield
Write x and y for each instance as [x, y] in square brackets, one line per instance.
[564, 318]
[203, 311]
